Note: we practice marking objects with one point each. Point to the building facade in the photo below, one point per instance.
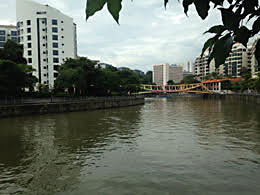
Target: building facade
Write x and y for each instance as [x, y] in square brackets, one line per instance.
[238, 58]
[48, 37]
[202, 68]
[163, 73]
[255, 70]
[7, 32]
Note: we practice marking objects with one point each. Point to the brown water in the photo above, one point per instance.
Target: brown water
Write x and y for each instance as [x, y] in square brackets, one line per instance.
[177, 146]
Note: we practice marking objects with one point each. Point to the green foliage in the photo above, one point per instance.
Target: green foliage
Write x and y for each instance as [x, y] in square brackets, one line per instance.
[189, 79]
[148, 78]
[170, 82]
[82, 77]
[15, 74]
[233, 14]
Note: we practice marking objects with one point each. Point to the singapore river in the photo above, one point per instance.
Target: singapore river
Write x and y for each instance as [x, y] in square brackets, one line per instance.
[167, 146]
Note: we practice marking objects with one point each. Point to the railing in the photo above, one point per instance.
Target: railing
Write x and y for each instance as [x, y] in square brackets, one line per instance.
[25, 100]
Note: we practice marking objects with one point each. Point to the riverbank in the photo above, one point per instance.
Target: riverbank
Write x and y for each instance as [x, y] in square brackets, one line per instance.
[247, 98]
[48, 107]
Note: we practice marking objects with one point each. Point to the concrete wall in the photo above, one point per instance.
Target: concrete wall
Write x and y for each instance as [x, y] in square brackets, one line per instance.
[254, 99]
[48, 108]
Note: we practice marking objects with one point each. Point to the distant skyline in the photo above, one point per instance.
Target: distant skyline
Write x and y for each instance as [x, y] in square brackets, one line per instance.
[147, 34]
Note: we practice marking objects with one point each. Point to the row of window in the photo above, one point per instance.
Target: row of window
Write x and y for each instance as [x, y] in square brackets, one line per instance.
[55, 60]
[12, 38]
[4, 32]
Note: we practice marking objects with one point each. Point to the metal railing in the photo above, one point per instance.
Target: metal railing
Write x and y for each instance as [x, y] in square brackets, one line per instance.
[26, 100]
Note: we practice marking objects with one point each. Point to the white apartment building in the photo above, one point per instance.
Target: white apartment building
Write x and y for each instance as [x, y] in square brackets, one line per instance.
[48, 37]
[162, 73]
[237, 59]
[7, 32]
[255, 70]
[202, 68]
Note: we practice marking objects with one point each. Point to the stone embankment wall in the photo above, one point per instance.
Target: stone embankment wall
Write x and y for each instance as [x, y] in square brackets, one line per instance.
[248, 98]
[71, 106]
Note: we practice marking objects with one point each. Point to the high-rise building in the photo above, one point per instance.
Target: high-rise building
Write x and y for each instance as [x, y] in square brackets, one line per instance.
[163, 73]
[237, 59]
[253, 64]
[7, 32]
[202, 68]
[48, 37]
[190, 67]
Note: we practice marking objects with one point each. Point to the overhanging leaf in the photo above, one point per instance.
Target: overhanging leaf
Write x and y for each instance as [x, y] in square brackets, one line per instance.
[256, 26]
[229, 19]
[242, 35]
[257, 52]
[165, 3]
[208, 44]
[186, 4]
[114, 7]
[93, 6]
[218, 29]
[202, 7]
[221, 49]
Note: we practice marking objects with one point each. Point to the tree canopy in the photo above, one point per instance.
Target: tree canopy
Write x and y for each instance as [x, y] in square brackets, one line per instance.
[15, 74]
[83, 77]
[234, 28]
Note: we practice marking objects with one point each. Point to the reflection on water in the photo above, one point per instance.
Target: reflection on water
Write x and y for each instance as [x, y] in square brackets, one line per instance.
[182, 146]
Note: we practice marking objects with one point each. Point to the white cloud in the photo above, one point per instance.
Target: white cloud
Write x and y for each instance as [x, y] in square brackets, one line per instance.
[148, 34]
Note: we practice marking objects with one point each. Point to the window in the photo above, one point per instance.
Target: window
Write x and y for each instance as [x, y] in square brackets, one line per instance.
[43, 29]
[55, 37]
[44, 52]
[56, 67]
[2, 38]
[29, 60]
[2, 32]
[54, 29]
[55, 75]
[55, 45]
[62, 37]
[44, 60]
[55, 52]
[43, 45]
[55, 60]
[28, 30]
[13, 33]
[62, 22]
[62, 29]
[43, 22]
[45, 75]
[29, 45]
[28, 22]
[45, 82]
[62, 51]
[29, 38]
[14, 39]
[54, 22]
[2, 44]
[29, 52]
[62, 44]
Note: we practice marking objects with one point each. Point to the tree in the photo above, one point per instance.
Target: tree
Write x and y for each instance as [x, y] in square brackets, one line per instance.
[189, 79]
[234, 13]
[77, 75]
[148, 78]
[170, 82]
[129, 81]
[15, 74]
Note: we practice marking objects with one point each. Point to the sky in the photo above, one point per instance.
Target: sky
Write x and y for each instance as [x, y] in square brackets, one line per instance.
[147, 35]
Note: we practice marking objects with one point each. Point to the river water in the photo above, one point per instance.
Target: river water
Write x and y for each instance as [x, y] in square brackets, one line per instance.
[167, 146]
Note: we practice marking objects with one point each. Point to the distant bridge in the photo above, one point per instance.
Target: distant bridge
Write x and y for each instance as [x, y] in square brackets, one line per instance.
[204, 87]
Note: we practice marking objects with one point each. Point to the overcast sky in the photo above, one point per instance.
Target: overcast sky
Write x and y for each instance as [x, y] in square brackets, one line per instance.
[147, 34]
